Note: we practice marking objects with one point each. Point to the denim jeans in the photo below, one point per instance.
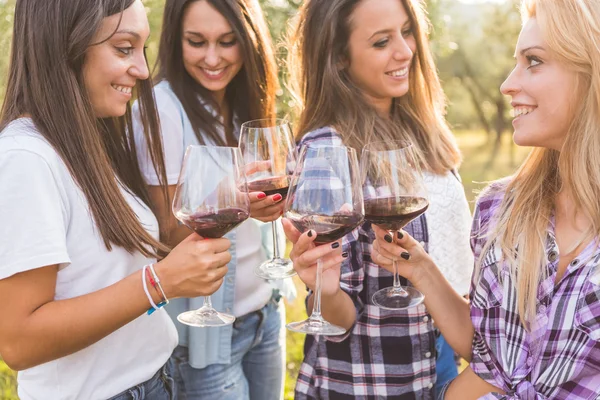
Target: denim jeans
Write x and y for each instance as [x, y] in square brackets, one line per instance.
[160, 387]
[445, 365]
[257, 365]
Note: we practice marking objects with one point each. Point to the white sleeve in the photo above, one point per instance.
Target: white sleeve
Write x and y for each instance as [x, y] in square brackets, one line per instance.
[171, 132]
[33, 212]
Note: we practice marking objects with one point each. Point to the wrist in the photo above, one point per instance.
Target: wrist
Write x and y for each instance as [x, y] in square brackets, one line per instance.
[166, 280]
[426, 276]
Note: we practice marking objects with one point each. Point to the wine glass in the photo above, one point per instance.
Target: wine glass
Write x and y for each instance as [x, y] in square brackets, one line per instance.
[394, 195]
[326, 196]
[269, 153]
[211, 199]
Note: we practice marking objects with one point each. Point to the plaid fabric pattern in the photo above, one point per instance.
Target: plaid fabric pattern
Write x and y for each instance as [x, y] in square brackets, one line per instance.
[386, 354]
[560, 357]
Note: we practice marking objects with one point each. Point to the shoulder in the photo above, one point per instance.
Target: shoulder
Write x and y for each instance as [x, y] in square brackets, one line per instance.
[326, 135]
[490, 201]
[20, 141]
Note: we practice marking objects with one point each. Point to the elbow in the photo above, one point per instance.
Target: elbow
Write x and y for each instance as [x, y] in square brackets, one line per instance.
[15, 358]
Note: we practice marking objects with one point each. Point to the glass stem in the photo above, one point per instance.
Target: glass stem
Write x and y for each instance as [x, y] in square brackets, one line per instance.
[398, 289]
[207, 302]
[316, 312]
[275, 240]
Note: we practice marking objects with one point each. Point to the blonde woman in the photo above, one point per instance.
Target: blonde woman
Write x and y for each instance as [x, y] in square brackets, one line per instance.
[534, 324]
[365, 73]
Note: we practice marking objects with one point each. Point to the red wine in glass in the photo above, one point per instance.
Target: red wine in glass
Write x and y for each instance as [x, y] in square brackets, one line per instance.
[394, 213]
[214, 225]
[271, 185]
[328, 228]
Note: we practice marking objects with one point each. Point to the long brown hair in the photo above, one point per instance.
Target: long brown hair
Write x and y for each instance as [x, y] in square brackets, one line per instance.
[45, 82]
[326, 95]
[251, 93]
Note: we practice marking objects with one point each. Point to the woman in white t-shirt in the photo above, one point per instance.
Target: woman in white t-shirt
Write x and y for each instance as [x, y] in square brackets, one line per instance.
[217, 70]
[76, 231]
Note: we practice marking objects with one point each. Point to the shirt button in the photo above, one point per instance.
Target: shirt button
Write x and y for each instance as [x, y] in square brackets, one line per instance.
[574, 262]
[230, 280]
[428, 354]
[552, 256]
[425, 318]
[543, 309]
[422, 243]
[430, 386]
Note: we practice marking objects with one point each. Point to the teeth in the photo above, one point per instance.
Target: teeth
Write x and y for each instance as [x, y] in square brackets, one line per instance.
[213, 72]
[122, 89]
[518, 111]
[399, 72]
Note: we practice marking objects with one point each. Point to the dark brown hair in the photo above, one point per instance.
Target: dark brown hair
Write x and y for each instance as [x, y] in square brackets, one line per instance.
[251, 93]
[326, 96]
[49, 44]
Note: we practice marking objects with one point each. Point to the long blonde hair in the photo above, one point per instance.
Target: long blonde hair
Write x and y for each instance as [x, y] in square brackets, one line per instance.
[571, 29]
[326, 96]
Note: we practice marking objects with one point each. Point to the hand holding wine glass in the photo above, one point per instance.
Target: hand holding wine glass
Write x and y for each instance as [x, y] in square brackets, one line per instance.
[305, 255]
[211, 199]
[394, 195]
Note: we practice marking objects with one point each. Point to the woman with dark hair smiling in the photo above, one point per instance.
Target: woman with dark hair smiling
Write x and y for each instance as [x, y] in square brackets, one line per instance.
[216, 70]
[78, 239]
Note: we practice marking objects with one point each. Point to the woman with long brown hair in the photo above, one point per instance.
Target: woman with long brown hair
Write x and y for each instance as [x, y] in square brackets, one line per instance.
[532, 330]
[216, 70]
[363, 72]
[79, 241]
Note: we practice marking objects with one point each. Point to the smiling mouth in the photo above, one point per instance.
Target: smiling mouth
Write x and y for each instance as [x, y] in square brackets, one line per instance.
[398, 73]
[213, 72]
[122, 89]
[522, 110]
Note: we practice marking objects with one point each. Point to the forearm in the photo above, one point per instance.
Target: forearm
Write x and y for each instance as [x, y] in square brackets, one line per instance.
[449, 310]
[63, 327]
[337, 309]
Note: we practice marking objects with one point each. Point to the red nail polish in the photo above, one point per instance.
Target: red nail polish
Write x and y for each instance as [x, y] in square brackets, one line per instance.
[277, 197]
[261, 196]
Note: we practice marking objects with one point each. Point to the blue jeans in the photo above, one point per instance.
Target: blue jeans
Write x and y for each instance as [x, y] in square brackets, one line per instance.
[445, 364]
[257, 365]
[160, 387]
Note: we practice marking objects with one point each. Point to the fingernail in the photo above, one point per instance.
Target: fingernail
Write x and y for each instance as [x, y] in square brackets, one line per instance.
[405, 255]
[400, 235]
[310, 233]
[277, 197]
[345, 254]
[261, 196]
[335, 245]
[388, 238]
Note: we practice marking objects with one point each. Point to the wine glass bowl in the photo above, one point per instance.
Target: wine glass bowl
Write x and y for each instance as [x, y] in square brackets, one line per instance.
[394, 195]
[211, 199]
[326, 196]
[269, 153]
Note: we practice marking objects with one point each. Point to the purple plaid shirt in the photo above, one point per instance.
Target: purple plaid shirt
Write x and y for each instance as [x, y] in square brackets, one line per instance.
[560, 357]
[386, 354]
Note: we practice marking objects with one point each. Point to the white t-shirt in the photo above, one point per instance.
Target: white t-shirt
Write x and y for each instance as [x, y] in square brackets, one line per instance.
[46, 220]
[251, 292]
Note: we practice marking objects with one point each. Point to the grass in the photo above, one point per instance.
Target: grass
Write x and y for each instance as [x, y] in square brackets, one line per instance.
[475, 171]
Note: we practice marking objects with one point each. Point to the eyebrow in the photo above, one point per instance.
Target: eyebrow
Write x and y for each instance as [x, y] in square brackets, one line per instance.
[531, 48]
[201, 35]
[128, 32]
[408, 22]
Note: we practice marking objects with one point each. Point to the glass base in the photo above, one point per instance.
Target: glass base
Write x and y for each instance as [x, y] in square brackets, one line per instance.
[205, 317]
[313, 326]
[392, 298]
[276, 268]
